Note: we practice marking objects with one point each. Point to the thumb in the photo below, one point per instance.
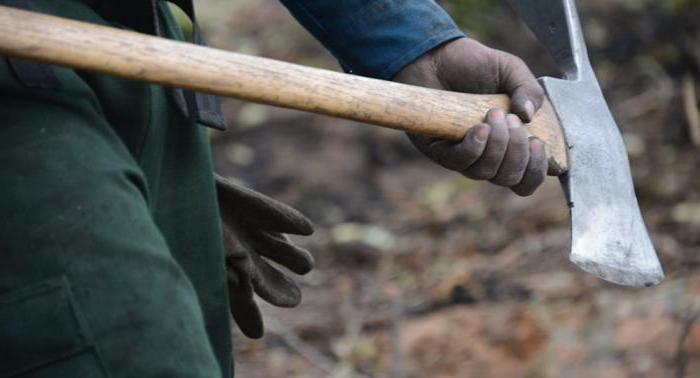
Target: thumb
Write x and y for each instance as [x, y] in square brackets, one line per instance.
[518, 81]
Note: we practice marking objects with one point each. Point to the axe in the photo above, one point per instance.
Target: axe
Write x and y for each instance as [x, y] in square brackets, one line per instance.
[583, 144]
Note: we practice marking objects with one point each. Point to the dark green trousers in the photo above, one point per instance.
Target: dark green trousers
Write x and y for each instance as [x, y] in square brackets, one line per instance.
[111, 259]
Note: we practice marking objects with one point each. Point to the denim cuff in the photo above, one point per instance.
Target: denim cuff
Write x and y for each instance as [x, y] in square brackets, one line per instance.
[375, 38]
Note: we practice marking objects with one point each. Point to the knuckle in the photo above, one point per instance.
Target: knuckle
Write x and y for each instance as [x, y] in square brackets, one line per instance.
[527, 187]
[538, 160]
[494, 115]
[470, 151]
[516, 162]
[419, 140]
[536, 144]
[498, 146]
[499, 133]
[518, 140]
[453, 165]
[523, 191]
[517, 62]
[473, 145]
[480, 173]
[515, 124]
[460, 161]
[483, 170]
[439, 156]
[508, 58]
[514, 64]
[449, 157]
[513, 171]
[508, 179]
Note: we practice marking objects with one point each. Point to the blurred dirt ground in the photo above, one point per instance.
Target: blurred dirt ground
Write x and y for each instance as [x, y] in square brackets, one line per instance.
[422, 273]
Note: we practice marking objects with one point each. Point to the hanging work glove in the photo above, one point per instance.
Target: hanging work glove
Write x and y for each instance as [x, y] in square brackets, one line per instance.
[499, 149]
[254, 228]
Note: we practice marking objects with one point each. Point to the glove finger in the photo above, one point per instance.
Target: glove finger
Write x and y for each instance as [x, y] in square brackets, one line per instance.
[244, 310]
[274, 286]
[278, 248]
[244, 205]
[235, 246]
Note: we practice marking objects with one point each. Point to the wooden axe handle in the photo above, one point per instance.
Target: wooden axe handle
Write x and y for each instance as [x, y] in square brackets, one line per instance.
[142, 57]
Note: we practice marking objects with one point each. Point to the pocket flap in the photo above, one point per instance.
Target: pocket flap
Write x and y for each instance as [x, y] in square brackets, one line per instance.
[38, 324]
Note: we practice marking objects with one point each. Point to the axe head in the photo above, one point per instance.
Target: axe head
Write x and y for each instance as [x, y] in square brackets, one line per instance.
[608, 236]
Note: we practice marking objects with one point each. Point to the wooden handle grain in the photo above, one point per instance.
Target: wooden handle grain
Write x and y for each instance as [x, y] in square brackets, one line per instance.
[147, 58]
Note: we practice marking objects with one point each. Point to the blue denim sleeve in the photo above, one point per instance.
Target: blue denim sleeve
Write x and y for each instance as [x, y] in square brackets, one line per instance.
[375, 38]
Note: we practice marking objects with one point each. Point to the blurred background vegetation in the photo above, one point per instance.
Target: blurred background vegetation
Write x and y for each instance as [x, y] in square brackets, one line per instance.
[424, 273]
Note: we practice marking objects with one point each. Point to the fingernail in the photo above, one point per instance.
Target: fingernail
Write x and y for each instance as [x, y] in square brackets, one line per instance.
[498, 115]
[482, 134]
[535, 141]
[529, 109]
[513, 121]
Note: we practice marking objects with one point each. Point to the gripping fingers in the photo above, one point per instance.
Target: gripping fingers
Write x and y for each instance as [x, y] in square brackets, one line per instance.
[486, 167]
[536, 170]
[455, 156]
[517, 155]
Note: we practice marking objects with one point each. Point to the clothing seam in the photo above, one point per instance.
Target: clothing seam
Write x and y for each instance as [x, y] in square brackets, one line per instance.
[84, 339]
[327, 41]
[84, 328]
[148, 126]
[314, 19]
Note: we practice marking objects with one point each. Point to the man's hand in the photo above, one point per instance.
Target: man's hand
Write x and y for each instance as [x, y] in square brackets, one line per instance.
[499, 149]
[254, 228]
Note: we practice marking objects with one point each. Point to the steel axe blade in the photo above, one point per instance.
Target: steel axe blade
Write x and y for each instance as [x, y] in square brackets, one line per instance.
[608, 236]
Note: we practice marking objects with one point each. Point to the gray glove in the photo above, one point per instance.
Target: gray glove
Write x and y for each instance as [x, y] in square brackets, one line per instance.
[499, 149]
[254, 227]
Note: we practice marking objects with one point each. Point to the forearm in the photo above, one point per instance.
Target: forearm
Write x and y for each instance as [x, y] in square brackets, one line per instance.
[375, 38]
